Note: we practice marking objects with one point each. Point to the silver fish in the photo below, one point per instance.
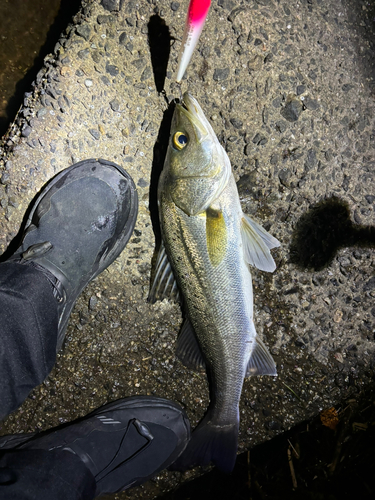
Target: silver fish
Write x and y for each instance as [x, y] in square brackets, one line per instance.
[207, 244]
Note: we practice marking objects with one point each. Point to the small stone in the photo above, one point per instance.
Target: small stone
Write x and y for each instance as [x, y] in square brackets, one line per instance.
[258, 41]
[147, 74]
[88, 83]
[311, 159]
[221, 74]
[139, 63]
[96, 56]
[5, 178]
[95, 133]
[103, 19]
[280, 126]
[111, 5]
[93, 302]
[142, 183]
[112, 69]
[42, 112]
[275, 158]
[370, 198]
[115, 105]
[337, 317]
[123, 39]
[301, 89]
[175, 6]
[84, 31]
[83, 54]
[236, 123]
[292, 109]
[26, 131]
[284, 177]
[105, 80]
[311, 104]
[260, 139]
[370, 285]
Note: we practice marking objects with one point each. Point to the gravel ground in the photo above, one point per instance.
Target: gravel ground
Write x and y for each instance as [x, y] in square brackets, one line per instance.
[289, 88]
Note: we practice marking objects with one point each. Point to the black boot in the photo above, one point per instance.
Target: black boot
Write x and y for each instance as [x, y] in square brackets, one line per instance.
[123, 444]
[78, 225]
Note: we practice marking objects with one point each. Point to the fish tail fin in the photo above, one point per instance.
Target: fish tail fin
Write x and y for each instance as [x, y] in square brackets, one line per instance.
[210, 443]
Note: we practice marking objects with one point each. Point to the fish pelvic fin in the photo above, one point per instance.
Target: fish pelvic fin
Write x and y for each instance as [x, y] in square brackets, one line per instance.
[261, 362]
[257, 243]
[188, 350]
[210, 443]
[164, 285]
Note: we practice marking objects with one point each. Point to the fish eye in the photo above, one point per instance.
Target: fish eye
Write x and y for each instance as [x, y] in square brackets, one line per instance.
[180, 140]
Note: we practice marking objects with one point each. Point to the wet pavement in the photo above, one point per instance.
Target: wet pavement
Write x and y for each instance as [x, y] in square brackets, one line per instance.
[289, 89]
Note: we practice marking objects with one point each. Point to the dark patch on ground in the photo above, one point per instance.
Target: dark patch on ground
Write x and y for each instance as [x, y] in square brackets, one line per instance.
[328, 464]
[323, 230]
[159, 40]
[160, 151]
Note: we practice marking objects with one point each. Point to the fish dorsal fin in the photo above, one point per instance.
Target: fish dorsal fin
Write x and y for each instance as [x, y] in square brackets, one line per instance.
[257, 243]
[164, 285]
[216, 235]
[261, 362]
[188, 350]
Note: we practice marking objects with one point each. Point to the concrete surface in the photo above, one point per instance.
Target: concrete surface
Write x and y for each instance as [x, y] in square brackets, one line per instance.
[289, 88]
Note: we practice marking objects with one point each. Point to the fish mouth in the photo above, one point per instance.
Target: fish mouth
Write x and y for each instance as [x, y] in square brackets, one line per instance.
[190, 108]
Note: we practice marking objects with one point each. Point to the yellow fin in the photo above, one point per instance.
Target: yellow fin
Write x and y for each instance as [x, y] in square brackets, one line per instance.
[216, 235]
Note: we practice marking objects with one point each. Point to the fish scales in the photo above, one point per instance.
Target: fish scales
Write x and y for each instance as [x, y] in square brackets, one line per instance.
[218, 299]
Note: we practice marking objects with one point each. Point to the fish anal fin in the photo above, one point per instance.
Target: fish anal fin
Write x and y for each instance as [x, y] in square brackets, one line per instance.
[261, 361]
[164, 285]
[257, 243]
[188, 350]
[216, 235]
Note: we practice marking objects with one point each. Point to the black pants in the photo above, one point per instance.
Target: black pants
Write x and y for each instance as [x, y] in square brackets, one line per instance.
[28, 335]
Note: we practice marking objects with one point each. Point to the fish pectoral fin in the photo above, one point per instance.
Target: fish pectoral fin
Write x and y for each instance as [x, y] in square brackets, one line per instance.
[216, 235]
[257, 243]
[261, 362]
[164, 285]
[188, 350]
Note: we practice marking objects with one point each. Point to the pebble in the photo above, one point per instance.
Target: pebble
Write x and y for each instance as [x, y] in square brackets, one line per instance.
[111, 5]
[236, 123]
[95, 133]
[337, 317]
[284, 177]
[41, 112]
[88, 83]
[115, 104]
[139, 63]
[112, 69]
[221, 74]
[26, 131]
[292, 109]
[260, 139]
[175, 6]
[123, 38]
[311, 104]
[84, 31]
[369, 285]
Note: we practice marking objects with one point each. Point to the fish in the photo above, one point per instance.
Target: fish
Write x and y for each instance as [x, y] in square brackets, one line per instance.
[195, 19]
[207, 246]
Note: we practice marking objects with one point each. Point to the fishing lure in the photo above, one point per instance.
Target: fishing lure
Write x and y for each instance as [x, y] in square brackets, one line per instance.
[195, 19]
